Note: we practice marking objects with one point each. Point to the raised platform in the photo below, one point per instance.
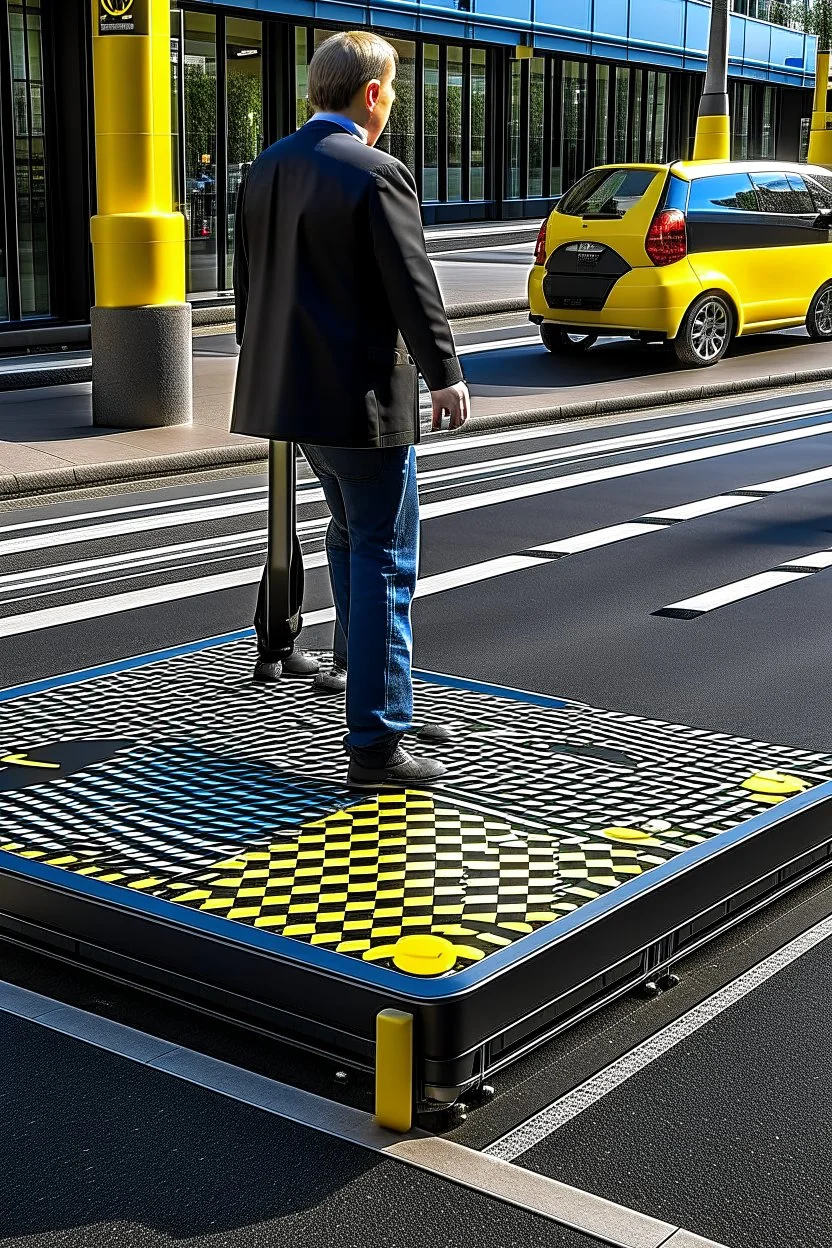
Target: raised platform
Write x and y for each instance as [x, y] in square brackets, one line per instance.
[169, 818]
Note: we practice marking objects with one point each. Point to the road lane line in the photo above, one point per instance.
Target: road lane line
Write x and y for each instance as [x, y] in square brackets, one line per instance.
[544, 1123]
[439, 583]
[690, 608]
[609, 1223]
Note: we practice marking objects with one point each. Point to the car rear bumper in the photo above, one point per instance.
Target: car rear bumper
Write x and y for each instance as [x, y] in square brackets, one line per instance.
[644, 300]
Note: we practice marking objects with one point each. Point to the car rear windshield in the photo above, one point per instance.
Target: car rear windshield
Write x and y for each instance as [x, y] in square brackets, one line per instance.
[607, 193]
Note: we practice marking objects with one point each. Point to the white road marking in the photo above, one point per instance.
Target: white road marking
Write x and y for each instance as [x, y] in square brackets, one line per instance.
[671, 433]
[591, 476]
[544, 1123]
[255, 539]
[584, 1212]
[735, 592]
[598, 537]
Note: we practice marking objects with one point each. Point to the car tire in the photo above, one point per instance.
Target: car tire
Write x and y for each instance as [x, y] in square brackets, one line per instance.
[564, 342]
[706, 331]
[819, 316]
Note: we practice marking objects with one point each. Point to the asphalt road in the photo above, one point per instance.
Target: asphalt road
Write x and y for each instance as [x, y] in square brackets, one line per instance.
[666, 595]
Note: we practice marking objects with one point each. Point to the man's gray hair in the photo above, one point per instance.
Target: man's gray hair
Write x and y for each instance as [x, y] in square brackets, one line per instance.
[344, 64]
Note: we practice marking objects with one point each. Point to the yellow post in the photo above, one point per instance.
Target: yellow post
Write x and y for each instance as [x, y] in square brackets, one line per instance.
[713, 127]
[394, 1070]
[141, 322]
[820, 135]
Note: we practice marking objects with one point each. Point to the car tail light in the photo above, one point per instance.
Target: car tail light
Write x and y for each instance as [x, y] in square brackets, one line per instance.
[540, 245]
[667, 238]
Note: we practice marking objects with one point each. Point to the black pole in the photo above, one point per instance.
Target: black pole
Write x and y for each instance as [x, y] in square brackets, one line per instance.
[281, 532]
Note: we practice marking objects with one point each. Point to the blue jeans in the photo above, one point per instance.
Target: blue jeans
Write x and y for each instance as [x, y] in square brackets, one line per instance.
[372, 546]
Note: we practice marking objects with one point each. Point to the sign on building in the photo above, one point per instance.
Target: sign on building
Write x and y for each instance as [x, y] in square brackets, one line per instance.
[123, 17]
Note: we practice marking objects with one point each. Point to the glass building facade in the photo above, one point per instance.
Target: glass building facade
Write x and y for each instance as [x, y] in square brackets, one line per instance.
[489, 129]
[486, 134]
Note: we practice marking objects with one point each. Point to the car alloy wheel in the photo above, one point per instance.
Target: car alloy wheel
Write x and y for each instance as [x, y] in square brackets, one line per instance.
[822, 314]
[710, 330]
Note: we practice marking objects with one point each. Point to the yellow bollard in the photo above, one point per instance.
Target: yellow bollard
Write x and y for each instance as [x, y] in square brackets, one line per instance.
[820, 135]
[141, 323]
[394, 1070]
[713, 138]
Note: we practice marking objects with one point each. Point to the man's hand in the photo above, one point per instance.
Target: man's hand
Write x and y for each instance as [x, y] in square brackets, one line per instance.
[454, 400]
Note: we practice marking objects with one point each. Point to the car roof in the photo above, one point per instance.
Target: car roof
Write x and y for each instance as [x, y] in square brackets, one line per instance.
[693, 169]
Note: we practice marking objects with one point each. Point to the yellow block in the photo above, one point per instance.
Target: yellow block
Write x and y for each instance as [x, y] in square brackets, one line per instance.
[523, 53]
[775, 784]
[139, 259]
[394, 1070]
[713, 138]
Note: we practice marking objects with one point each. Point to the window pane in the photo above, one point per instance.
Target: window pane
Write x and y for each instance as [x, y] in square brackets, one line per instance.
[821, 189]
[302, 110]
[478, 108]
[454, 107]
[30, 161]
[430, 176]
[622, 109]
[399, 137]
[729, 191]
[513, 164]
[656, 106]
[537, 70]
[742, 113]
[607, 192]
[777, 193]
[244, 95]
[573, 131]
[602, 96]
[767, 146]
[200, 83]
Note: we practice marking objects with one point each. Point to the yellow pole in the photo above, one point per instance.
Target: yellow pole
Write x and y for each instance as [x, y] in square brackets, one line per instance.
[138, 240]
[394, 1070]
[712, 140]
[820, 135]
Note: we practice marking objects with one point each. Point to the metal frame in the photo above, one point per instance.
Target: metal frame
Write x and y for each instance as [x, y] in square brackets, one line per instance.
[468, 1024]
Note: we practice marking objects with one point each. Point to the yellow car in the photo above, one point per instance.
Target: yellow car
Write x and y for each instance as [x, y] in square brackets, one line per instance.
[690, 253]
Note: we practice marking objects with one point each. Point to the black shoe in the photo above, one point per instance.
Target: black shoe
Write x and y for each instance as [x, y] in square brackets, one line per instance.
[332, 681]
[266, 673]
[299, 663]
[402, 770]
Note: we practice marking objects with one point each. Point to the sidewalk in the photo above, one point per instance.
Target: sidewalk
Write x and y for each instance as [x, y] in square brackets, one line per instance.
[48, 443]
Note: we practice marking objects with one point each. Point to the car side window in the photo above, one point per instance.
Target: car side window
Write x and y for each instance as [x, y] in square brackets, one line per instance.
[783, 194]
[728, 192]
[821, 191]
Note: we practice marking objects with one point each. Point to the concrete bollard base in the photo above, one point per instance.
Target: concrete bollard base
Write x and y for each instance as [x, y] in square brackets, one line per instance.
[142, 373]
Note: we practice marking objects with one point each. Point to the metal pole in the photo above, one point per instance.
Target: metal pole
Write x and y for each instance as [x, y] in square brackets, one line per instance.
[820, 135]
[713, 127]
[281, 532]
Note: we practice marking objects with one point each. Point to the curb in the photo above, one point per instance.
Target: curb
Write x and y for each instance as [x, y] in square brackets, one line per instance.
[26, 484]
[223, 313]
[53, 480]
[638, 402]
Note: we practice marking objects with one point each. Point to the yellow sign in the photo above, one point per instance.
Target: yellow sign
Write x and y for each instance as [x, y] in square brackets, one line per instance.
[123, 17]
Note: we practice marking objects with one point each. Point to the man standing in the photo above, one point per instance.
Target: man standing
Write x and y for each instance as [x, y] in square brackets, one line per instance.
[335, 294]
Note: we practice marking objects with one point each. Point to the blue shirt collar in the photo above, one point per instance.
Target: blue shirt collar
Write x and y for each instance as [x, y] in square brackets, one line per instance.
[346, 123]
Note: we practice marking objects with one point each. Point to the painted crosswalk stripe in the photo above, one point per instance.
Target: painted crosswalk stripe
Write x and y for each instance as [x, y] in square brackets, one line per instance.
[690, 608]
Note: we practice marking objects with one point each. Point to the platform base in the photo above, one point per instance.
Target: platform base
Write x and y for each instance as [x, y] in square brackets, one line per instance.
[177, 822]
[142, 366]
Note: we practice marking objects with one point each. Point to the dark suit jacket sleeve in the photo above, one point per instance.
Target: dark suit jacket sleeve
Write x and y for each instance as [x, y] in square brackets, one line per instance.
[409, 279]
[240, 277]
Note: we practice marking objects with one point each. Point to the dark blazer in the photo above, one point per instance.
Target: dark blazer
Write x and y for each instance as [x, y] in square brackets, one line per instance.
[330, 274]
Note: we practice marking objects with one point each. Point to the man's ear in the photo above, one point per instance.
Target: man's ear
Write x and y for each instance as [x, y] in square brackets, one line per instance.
[373, 90]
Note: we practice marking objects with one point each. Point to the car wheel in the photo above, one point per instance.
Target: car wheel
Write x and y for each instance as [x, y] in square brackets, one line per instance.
[565, 342]
[819, 317]
[706, 332]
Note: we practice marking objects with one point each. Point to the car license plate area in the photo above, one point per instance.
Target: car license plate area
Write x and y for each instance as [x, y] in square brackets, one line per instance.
[581, 275]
